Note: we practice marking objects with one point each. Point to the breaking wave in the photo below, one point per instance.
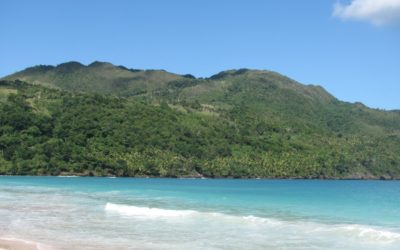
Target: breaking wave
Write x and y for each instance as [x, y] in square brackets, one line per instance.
[147, 211]
[355, 231]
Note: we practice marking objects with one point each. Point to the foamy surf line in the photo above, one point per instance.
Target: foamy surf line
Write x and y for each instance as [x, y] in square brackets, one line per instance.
[147, 212]
[357, 231]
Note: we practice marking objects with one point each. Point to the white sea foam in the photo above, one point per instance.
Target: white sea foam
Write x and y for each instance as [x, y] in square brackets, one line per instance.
[159, 213]
[371, 233]
[147, 212]
[348, 231]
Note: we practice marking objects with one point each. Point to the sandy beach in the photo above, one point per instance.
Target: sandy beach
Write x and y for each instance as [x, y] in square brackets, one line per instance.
[13, 244]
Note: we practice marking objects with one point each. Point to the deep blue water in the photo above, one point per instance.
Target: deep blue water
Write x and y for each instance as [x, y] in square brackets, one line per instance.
[134, 213]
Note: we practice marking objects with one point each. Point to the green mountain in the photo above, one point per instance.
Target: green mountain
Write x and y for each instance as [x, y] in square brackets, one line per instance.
[103, 119]
[98, 77]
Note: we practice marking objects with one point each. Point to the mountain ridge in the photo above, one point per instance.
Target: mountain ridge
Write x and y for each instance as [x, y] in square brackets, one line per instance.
[31, 75]
[30, 72]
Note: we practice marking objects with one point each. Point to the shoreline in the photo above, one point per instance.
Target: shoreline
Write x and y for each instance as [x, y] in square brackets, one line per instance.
[370, 178]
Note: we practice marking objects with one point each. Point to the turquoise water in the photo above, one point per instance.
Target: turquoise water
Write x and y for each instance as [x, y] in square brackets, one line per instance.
[131, 213]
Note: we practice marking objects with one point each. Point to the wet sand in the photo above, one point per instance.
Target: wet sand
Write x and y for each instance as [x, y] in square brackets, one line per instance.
[11, 244]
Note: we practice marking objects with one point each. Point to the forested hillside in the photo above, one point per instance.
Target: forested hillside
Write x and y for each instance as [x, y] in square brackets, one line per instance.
[104, 120]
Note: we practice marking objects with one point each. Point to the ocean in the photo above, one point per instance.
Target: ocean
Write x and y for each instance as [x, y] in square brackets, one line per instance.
[150, 213]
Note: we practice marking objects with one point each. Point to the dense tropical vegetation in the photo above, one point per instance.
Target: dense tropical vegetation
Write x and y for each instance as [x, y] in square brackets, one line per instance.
[105, 120]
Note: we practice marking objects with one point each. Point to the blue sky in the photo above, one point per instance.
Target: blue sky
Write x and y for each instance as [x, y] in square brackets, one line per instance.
[351, 48]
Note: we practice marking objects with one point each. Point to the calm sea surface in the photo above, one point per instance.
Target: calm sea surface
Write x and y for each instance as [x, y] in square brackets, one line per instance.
[131, 213]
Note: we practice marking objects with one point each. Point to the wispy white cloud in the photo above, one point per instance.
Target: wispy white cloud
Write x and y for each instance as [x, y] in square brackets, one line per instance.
[378, 12]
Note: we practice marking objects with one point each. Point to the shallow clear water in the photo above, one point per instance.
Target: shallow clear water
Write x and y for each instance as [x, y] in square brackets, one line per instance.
[130, 213]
